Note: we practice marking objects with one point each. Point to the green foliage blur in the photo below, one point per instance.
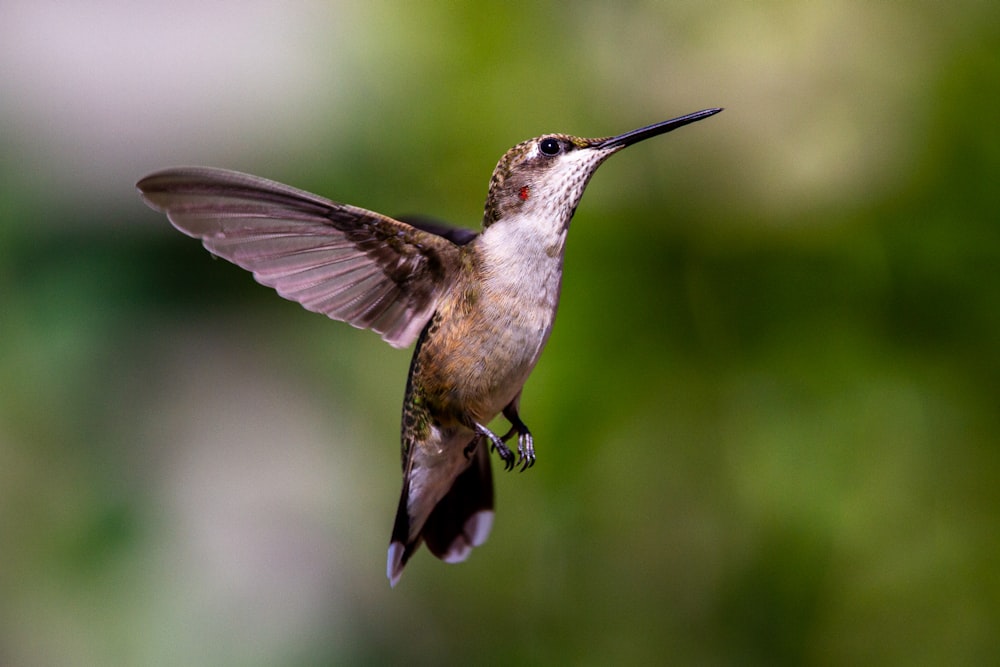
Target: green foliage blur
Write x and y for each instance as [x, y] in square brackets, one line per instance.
[766, 420]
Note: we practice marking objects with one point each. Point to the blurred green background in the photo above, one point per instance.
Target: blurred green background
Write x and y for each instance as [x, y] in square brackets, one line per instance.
[766, 420]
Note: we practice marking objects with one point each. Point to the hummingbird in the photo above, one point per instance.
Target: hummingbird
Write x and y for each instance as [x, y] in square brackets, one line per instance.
[479, 306]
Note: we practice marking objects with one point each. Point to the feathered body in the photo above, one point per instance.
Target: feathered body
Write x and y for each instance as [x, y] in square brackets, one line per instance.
[480, 307]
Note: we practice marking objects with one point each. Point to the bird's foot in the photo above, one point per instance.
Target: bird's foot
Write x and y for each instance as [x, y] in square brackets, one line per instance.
[525, 445]
[525, 450]
[497, 445]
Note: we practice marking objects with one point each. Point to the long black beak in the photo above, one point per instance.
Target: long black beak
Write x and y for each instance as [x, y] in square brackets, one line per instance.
[635, 136]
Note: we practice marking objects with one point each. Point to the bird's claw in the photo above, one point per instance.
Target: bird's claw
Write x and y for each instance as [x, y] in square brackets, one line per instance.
[525, 451]
[496, 444]
[503, 451]
[525, 447]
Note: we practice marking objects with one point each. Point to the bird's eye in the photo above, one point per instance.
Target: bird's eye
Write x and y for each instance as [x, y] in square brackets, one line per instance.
[549, 146]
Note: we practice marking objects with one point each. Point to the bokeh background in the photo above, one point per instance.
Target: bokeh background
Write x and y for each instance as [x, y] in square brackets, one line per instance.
[766, 420]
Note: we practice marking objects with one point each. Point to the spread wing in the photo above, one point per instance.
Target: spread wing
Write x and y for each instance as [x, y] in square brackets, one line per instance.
[457, 235]
[350, 264]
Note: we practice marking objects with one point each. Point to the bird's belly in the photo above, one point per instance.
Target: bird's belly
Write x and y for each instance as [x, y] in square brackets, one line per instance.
[510, 356]
[489, 331]
[484, 363]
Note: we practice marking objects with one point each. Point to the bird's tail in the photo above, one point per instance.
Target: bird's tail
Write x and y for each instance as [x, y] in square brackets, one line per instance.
[461, 520]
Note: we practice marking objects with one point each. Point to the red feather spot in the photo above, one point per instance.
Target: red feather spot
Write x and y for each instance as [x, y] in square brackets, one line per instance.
[524, 193]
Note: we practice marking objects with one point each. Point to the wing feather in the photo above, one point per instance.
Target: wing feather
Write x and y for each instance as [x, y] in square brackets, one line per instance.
[348, 263]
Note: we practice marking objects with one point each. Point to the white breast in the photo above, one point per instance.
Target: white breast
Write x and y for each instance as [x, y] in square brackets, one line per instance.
[522, 276]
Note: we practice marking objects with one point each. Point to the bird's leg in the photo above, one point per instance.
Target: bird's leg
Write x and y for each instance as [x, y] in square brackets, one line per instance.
[496, 443]
[525, 443]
